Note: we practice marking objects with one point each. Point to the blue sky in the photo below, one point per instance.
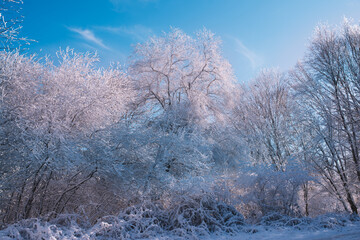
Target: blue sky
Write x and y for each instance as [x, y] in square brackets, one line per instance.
[256, 34]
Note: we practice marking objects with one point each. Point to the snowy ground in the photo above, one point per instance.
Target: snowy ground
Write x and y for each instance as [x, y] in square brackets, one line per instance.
[349, 232]
[345, 233]
[202, 219]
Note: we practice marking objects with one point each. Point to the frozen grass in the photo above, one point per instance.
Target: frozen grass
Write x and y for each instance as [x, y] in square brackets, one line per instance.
[190, 218]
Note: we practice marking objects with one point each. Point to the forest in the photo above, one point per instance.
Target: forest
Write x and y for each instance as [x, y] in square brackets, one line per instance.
[172, 144]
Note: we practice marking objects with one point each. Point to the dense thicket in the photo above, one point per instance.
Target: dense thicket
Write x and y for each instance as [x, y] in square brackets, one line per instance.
[174, 125]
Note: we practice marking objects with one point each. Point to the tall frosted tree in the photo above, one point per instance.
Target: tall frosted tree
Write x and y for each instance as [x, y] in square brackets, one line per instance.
[328, 84]
[185, 74]
[185, 86]
[49, 114]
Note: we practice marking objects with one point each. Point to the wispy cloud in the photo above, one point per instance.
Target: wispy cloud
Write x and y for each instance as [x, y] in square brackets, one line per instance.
[251, 56]
[89, 35]
[137, 32]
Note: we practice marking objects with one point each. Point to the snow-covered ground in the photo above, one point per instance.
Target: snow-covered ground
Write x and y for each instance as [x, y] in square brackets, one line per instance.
[345, 233]
[147, 226]
[351, 232]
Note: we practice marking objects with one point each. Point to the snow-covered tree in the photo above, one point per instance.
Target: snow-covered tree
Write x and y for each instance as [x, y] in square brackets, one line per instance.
[264, 117]
[328, 86]
[10, 24]
[185, 92]
[266, 120]
[176, 69]
[54, 110]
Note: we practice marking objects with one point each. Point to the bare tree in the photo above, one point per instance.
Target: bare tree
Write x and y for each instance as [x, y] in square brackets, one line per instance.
[328, 82]
[264, 117]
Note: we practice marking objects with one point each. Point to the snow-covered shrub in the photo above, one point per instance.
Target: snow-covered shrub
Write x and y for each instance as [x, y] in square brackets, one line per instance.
[191, 216]
[327, 221]
[277, 220]
[267, 191]
[33, 229]
[195, 218]
[142, 221]
[206, 213]
[274, 218]
[186, 218]
[331, 220]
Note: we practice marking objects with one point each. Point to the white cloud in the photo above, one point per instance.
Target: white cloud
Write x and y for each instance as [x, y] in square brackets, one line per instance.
[252, 57]
[137, 32]
[89, 36]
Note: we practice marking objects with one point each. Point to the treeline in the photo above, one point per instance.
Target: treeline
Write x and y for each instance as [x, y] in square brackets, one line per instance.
[175, 123]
